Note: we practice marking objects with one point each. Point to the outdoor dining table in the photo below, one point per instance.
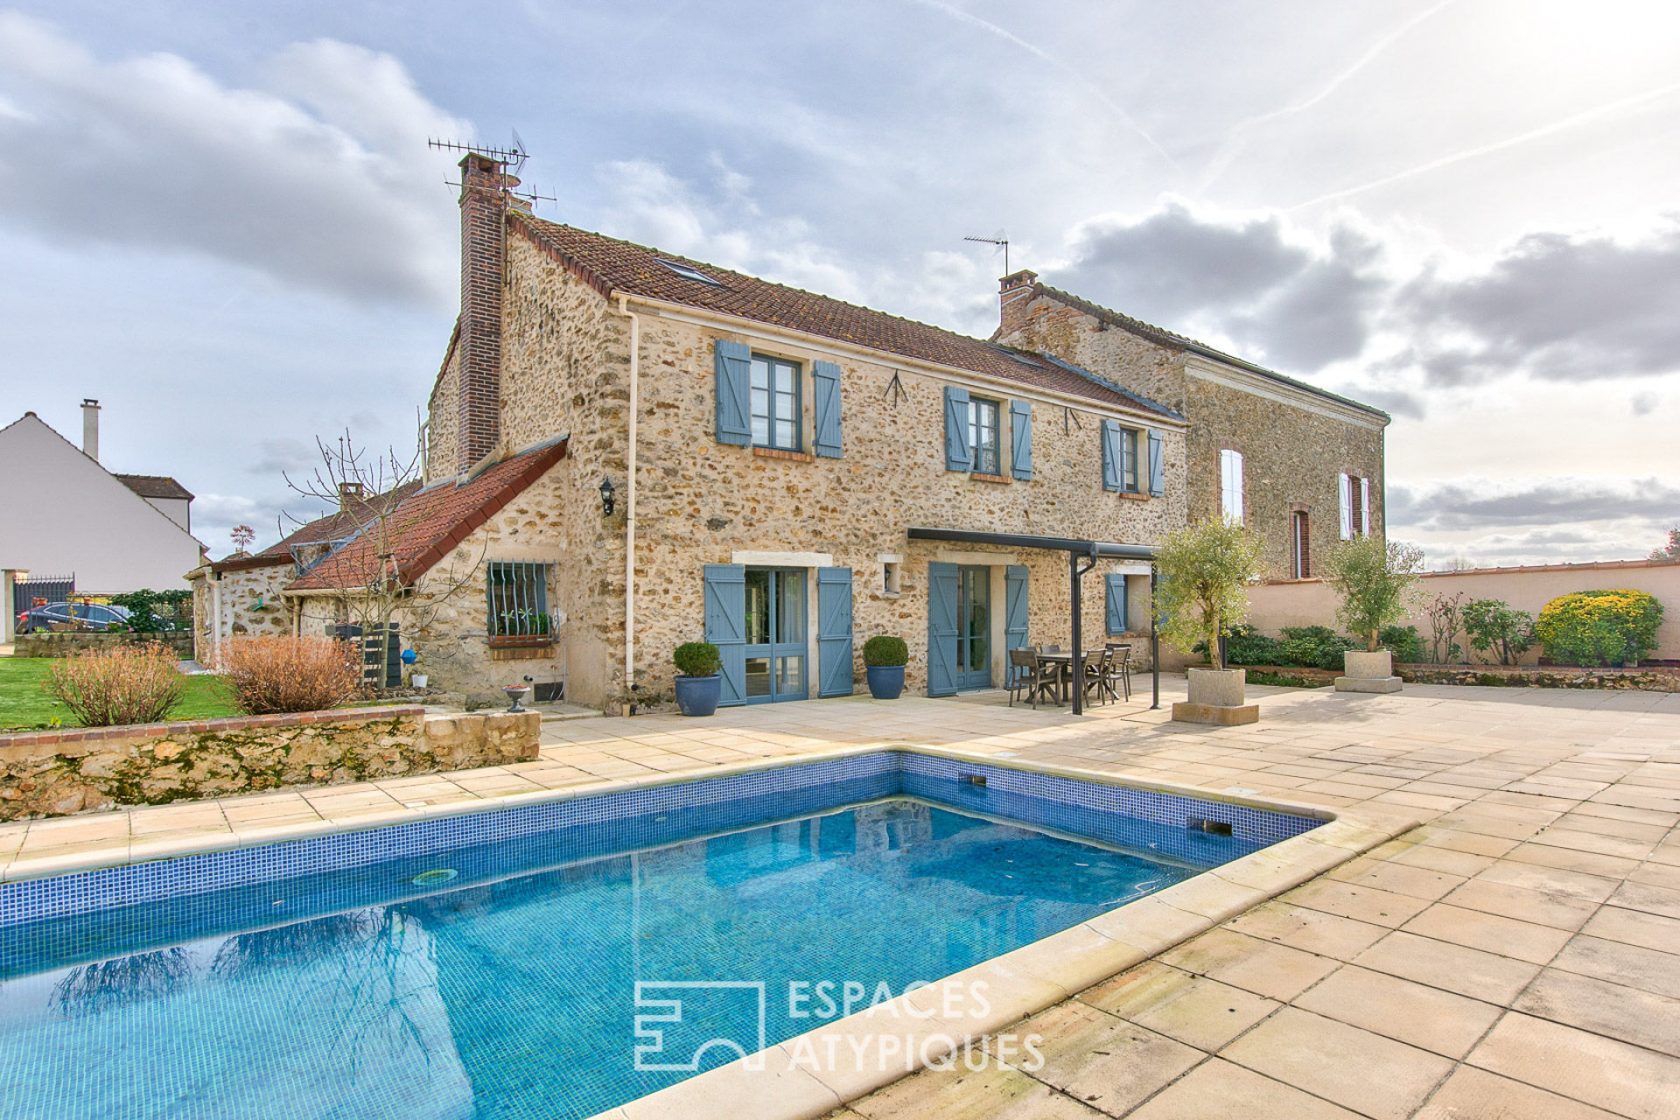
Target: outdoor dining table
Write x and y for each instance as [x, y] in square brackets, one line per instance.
[1064, 661]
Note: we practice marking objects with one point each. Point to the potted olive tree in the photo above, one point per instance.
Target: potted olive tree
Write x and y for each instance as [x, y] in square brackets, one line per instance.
[884, 658]
[1372, 578]
[698, 684]
[1201, 593]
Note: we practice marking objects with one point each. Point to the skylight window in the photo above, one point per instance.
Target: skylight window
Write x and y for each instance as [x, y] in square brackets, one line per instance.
[688, 273]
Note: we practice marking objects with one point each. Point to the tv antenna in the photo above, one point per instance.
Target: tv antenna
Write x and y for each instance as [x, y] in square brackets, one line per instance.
[1000, 241]
[513, 157]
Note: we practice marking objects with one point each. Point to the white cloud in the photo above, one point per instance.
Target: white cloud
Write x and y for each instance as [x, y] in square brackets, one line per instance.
[320, 179]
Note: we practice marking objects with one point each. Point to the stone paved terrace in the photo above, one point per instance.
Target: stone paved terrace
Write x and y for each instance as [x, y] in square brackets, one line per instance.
[1517, 956]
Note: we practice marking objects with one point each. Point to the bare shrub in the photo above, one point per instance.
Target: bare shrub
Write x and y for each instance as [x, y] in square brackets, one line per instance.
[124, 684]
[282, 674]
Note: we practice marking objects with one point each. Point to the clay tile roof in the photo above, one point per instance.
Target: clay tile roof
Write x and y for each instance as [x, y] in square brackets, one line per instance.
[1183, 342]
[336, 526]
[613, 265]
[430, 522]
[155, 486]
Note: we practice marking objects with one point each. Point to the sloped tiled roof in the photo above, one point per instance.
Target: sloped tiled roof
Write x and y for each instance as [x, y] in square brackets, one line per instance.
[430, 522]
[334, 526]
[155, 486]
[1178, 341]
[614, 265]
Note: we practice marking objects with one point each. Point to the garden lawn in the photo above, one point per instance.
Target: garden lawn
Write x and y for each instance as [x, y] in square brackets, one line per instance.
[25, 705]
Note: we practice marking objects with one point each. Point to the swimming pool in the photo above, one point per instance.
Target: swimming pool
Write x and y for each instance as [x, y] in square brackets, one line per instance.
[522, 963]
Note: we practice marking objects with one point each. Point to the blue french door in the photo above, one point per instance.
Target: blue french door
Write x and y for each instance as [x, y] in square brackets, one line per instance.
[775, 632]
[974, 627]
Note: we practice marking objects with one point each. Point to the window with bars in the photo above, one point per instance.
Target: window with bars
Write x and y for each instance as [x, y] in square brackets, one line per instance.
[518, 600]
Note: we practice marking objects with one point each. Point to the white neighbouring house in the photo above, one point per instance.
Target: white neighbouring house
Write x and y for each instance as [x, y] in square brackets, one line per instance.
[65, 514]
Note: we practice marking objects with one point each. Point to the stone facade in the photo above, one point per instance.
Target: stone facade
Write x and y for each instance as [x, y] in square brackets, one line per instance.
[565, 363]
[53, 773]
[250, 601]
[1295, 442]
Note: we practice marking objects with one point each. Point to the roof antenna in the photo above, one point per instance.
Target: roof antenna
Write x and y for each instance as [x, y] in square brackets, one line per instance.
[514, 157]
[1000, 241]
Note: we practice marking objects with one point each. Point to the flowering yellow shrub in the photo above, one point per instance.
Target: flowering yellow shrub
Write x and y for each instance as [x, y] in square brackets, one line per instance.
[1615, 627]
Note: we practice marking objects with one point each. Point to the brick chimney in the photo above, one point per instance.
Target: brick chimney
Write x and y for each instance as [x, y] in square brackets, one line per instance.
[90, 428]
[486, 194]
[350, 495]
[1014, 297]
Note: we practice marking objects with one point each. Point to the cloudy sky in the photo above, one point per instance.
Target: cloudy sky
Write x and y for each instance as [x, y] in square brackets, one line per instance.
[224, 222]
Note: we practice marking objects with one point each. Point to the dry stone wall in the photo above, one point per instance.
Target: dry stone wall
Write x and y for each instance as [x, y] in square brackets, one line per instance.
[53, 773]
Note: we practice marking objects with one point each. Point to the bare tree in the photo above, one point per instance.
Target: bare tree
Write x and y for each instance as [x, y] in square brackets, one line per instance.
[1445, 621]
[374, 489]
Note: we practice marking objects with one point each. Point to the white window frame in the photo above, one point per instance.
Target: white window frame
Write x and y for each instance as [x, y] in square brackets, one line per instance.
[1231, 485]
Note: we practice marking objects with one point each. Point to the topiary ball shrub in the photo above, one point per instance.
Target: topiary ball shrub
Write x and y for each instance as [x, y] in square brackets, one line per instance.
[1599, 627]
[884, 651]
[697, 659]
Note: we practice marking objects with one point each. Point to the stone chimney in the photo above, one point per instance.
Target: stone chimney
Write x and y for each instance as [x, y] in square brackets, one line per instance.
[486, 196]
[90, 428]
[1014, 297]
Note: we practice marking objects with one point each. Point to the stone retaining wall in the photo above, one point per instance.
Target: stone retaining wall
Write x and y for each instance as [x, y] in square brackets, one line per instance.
[54, 773]
[62, 643]
[1545, 676]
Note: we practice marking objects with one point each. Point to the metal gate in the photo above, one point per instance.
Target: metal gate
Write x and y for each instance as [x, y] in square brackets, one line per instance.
[47, 589]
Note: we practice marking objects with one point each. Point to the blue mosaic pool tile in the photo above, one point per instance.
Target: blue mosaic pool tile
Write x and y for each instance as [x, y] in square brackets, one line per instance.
[579, 828]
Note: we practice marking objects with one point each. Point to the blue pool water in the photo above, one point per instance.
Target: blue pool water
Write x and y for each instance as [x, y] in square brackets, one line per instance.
[508, 988]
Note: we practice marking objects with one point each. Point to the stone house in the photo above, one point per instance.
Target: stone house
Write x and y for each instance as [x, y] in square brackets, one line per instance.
[1302, 467]
[628, 449]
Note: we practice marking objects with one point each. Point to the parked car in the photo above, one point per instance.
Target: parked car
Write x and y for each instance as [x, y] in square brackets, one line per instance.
[72, 616]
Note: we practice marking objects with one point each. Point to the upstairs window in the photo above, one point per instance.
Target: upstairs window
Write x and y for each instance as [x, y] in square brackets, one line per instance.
[1129, 460]
[983, 434]
[775, 403]
[1356, 505]
[1231, 485]
[518, 600]
[1303, 545]
[1122, 467]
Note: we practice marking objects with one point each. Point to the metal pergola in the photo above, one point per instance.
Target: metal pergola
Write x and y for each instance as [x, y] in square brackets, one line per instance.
[1082, 557]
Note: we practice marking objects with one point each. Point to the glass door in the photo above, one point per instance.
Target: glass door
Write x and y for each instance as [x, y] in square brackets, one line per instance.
[775, 630]
[974, 627]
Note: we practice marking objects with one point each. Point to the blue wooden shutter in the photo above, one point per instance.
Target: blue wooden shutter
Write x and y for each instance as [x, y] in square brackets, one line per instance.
[834, 632]
[1116, 603]
[825, 380]
[958, 455]
[733, 363]
[1157, 465]
[1014, 606]
[1111, 454]
[1020, 439]
[942, 629]
[726, 625]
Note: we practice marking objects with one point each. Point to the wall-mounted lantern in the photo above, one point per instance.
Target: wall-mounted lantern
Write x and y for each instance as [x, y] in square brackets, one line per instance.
[607, 493]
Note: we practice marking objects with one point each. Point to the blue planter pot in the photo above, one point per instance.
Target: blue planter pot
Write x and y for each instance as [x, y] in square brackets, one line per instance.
[886, 682]
[698, 696]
